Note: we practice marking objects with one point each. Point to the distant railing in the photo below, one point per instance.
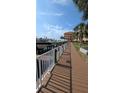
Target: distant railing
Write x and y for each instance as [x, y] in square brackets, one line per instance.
[46, 62]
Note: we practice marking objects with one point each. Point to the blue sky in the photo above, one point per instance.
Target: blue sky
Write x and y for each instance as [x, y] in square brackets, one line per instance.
[54, 17]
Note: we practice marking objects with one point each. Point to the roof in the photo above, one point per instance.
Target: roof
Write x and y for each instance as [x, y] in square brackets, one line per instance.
[68, 33]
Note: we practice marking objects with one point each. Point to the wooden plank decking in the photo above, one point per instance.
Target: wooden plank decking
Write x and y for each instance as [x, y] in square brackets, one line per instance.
[70, 75]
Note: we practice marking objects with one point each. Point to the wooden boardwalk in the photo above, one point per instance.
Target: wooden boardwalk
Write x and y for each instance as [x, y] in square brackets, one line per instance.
[70, 74]
[79, 73]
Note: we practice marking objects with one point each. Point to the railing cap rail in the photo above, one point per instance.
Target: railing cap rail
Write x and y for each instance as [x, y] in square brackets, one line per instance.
[47, 52]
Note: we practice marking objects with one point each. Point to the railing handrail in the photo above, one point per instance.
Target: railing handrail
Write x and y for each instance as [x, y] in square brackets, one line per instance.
[47, 52]
[50, 57]
[44, 53]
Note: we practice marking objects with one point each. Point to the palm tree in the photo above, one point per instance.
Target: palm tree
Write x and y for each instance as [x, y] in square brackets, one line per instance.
[86, 31]
[81, 32]
[82, 6]
[75, 36]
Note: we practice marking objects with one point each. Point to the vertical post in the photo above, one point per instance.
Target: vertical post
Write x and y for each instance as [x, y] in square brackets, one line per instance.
[55, 56]
[39, 61]
[41, 68]
[37, 73]
[38, 76]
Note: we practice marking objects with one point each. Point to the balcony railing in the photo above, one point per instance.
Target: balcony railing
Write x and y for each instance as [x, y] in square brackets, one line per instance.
[46, 62]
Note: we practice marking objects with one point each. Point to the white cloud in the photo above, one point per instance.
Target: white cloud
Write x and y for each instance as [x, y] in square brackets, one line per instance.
[69, 24]
[54, 31]
[61, 2]
[55, 28]
[51, 14]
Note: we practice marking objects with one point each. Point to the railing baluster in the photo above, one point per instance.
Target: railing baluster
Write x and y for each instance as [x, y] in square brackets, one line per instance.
[46, 62]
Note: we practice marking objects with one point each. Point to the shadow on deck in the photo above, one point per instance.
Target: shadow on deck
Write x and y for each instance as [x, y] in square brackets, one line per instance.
[65, 80]
[60, 80]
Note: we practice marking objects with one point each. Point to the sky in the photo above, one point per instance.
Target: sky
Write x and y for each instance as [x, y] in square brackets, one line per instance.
[54, 17]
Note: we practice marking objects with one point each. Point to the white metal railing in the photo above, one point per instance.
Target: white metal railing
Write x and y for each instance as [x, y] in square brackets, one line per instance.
[46, 62]
[84, 51]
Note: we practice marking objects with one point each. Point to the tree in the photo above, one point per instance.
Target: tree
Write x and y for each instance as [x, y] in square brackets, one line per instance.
[82, 6]
[86, 31]
[81, 32]
[82, 28]
[62, 37]
[75, 36]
